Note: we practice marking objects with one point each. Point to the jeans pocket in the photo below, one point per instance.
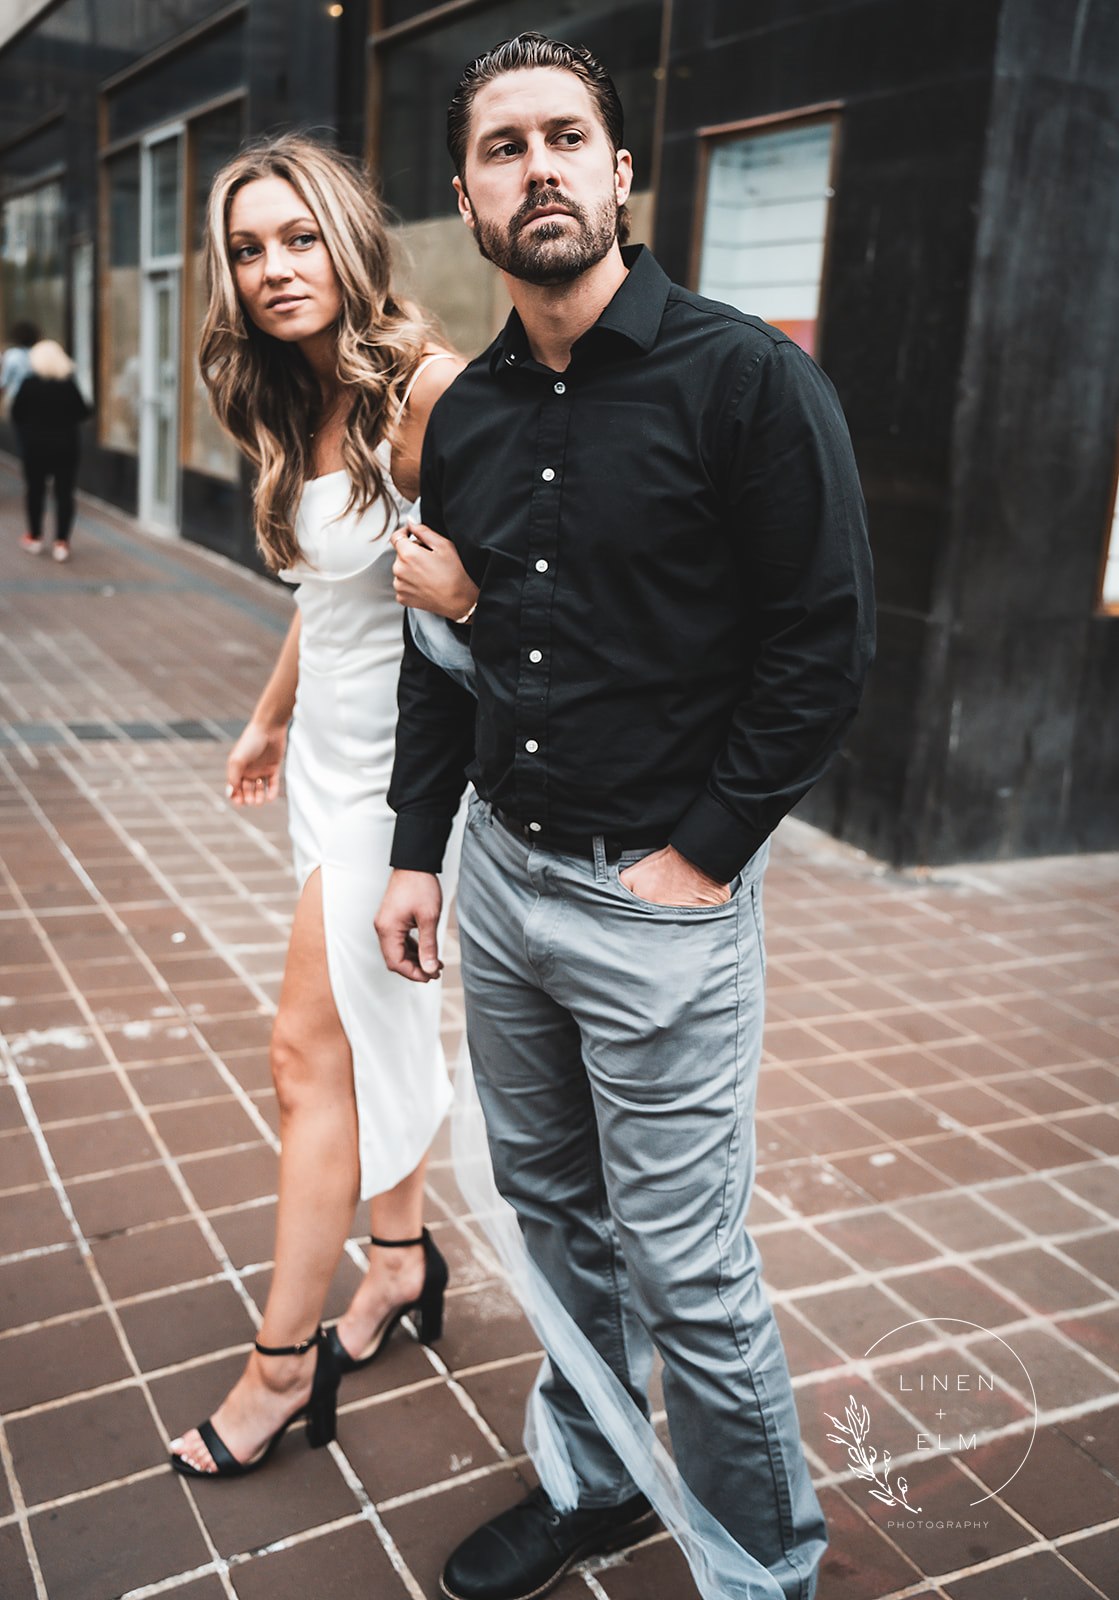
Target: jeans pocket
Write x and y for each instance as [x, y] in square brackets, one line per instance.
[655, 908]
[759, 920]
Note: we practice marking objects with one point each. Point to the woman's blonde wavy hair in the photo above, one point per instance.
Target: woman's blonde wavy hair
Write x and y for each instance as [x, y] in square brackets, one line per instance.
[263, 392]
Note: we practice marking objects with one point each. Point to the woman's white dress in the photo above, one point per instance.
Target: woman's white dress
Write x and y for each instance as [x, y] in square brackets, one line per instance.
[339, 761]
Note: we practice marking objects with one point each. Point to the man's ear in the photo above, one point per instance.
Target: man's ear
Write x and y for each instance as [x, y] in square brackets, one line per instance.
[465, 210]
[623, 175]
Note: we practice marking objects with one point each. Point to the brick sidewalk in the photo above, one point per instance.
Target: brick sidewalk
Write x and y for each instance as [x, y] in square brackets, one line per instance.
[938, 1157]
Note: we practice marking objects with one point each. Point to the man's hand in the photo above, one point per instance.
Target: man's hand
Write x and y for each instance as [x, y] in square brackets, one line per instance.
[666, 878]
[413, 901]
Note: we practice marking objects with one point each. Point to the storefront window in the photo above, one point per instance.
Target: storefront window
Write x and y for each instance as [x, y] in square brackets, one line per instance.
[32, 271]
[765, 224]
[120, 391]
[213, 139]
[438, 261]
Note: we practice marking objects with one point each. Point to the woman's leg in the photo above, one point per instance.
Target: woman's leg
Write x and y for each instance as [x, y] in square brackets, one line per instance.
[313, 1073]
[35, 488]
[65, 477]
[394, 1277]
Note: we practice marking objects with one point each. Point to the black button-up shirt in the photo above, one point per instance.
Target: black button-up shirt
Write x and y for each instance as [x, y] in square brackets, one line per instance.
[675, 616]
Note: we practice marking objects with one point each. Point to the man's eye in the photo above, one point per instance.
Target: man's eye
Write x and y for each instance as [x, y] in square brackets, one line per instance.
[572, 138]
[504, 150]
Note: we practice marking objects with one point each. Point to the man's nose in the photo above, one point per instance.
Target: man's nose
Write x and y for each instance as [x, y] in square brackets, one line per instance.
[540, 166]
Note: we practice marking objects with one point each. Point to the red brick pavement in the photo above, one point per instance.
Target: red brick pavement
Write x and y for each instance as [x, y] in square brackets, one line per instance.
[938, 1157]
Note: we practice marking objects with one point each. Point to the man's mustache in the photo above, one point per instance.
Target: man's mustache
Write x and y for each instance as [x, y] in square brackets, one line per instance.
[541, 202]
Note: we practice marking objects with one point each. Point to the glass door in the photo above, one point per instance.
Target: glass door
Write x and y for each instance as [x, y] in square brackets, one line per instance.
[159, 439]
[160, 329]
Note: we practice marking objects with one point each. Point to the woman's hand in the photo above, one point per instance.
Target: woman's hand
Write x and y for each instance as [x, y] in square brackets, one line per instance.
[252, 772]
[428, 574]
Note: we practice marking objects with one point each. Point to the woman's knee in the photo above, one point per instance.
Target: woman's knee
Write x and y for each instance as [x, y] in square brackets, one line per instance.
[293, 1075]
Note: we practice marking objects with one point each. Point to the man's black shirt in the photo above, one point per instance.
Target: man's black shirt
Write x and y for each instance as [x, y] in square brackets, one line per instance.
[675, 616]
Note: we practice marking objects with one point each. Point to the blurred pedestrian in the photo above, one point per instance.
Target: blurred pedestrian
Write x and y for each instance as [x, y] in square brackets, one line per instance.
[47, 412]
[326, 379]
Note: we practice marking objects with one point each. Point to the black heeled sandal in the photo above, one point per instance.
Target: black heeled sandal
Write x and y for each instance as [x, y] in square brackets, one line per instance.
[319, 1411]
[426, 1309]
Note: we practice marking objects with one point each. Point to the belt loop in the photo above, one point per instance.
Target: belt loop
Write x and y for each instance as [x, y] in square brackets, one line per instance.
[599, 858]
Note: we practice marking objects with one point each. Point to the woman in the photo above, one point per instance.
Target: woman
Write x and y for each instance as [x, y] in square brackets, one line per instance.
[326, 381]
[47, 411]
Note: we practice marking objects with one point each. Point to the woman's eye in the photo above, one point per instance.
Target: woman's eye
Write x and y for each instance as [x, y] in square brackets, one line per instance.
[244, 252]
[305, 240]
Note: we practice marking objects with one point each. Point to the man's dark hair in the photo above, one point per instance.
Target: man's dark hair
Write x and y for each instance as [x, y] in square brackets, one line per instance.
[514, 55]
[25, 334]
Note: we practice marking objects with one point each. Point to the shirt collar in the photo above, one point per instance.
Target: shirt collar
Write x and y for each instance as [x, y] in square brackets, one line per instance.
[634, 313]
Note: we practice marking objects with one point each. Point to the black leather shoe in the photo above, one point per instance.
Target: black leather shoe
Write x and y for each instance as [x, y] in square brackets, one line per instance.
[525, 1551]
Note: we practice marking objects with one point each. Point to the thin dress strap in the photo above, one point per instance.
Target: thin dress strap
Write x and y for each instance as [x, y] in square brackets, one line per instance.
[436, 355]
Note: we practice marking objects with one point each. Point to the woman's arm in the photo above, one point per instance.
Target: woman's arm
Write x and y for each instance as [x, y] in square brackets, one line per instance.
[408, 447]
[252, 771]
[427, 573]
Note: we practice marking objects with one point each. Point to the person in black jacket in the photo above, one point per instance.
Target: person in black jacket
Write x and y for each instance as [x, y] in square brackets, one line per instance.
[47, 411]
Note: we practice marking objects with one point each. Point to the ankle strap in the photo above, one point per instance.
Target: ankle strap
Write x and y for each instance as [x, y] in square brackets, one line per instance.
[396, 1244]
[288, 1349]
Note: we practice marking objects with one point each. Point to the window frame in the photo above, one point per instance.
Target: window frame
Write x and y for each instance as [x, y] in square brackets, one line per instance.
[708, 138]
[182, 127]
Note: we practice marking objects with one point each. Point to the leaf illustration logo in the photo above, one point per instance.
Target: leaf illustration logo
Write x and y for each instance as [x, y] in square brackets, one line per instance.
[864, 1459]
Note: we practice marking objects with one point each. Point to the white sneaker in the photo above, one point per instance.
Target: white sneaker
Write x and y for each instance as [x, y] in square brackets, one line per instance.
[32, 546]
[61, 552]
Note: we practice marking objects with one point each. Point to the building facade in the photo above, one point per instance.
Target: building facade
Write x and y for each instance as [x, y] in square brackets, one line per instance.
[925, 197]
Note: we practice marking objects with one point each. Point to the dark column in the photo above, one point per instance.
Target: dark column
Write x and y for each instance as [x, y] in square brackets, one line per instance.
[1018, 743]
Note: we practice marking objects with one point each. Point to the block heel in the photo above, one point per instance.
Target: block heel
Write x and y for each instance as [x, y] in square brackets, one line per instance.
[426, 1310]
[319, 1413]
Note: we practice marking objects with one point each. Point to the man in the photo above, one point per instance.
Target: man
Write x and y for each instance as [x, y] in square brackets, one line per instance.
[656, 498]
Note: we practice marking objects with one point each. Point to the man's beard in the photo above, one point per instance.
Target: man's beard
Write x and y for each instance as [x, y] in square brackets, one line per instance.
[553, 251]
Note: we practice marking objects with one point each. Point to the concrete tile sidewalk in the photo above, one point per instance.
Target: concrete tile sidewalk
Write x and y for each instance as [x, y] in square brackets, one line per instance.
[938, 1168]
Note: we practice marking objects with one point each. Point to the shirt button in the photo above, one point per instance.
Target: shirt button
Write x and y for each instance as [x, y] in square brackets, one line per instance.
[536, 655]
[541, 565]
[531, 746]
[535, 827]
[561, 388]
[548, 474]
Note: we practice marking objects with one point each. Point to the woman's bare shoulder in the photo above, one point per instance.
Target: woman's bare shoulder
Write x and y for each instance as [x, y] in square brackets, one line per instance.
[436, 377]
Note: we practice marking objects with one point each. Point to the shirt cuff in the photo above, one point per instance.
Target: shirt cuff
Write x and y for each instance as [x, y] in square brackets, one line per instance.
[714, 840]
[418, 842]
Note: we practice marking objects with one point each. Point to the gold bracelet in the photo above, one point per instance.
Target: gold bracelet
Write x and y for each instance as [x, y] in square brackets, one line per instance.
[459, 621]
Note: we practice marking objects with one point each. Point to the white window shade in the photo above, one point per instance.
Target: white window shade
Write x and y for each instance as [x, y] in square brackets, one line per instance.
[1109, 593]
[765, 224]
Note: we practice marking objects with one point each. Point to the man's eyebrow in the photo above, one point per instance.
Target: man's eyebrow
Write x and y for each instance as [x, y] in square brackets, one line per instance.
[248, 233]
[512, 130]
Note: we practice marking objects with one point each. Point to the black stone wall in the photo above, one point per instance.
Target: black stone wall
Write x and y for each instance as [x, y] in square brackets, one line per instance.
[970, 323]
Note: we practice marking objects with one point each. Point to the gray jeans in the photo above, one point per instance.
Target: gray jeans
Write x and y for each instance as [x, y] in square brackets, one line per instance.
[615, 1047]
